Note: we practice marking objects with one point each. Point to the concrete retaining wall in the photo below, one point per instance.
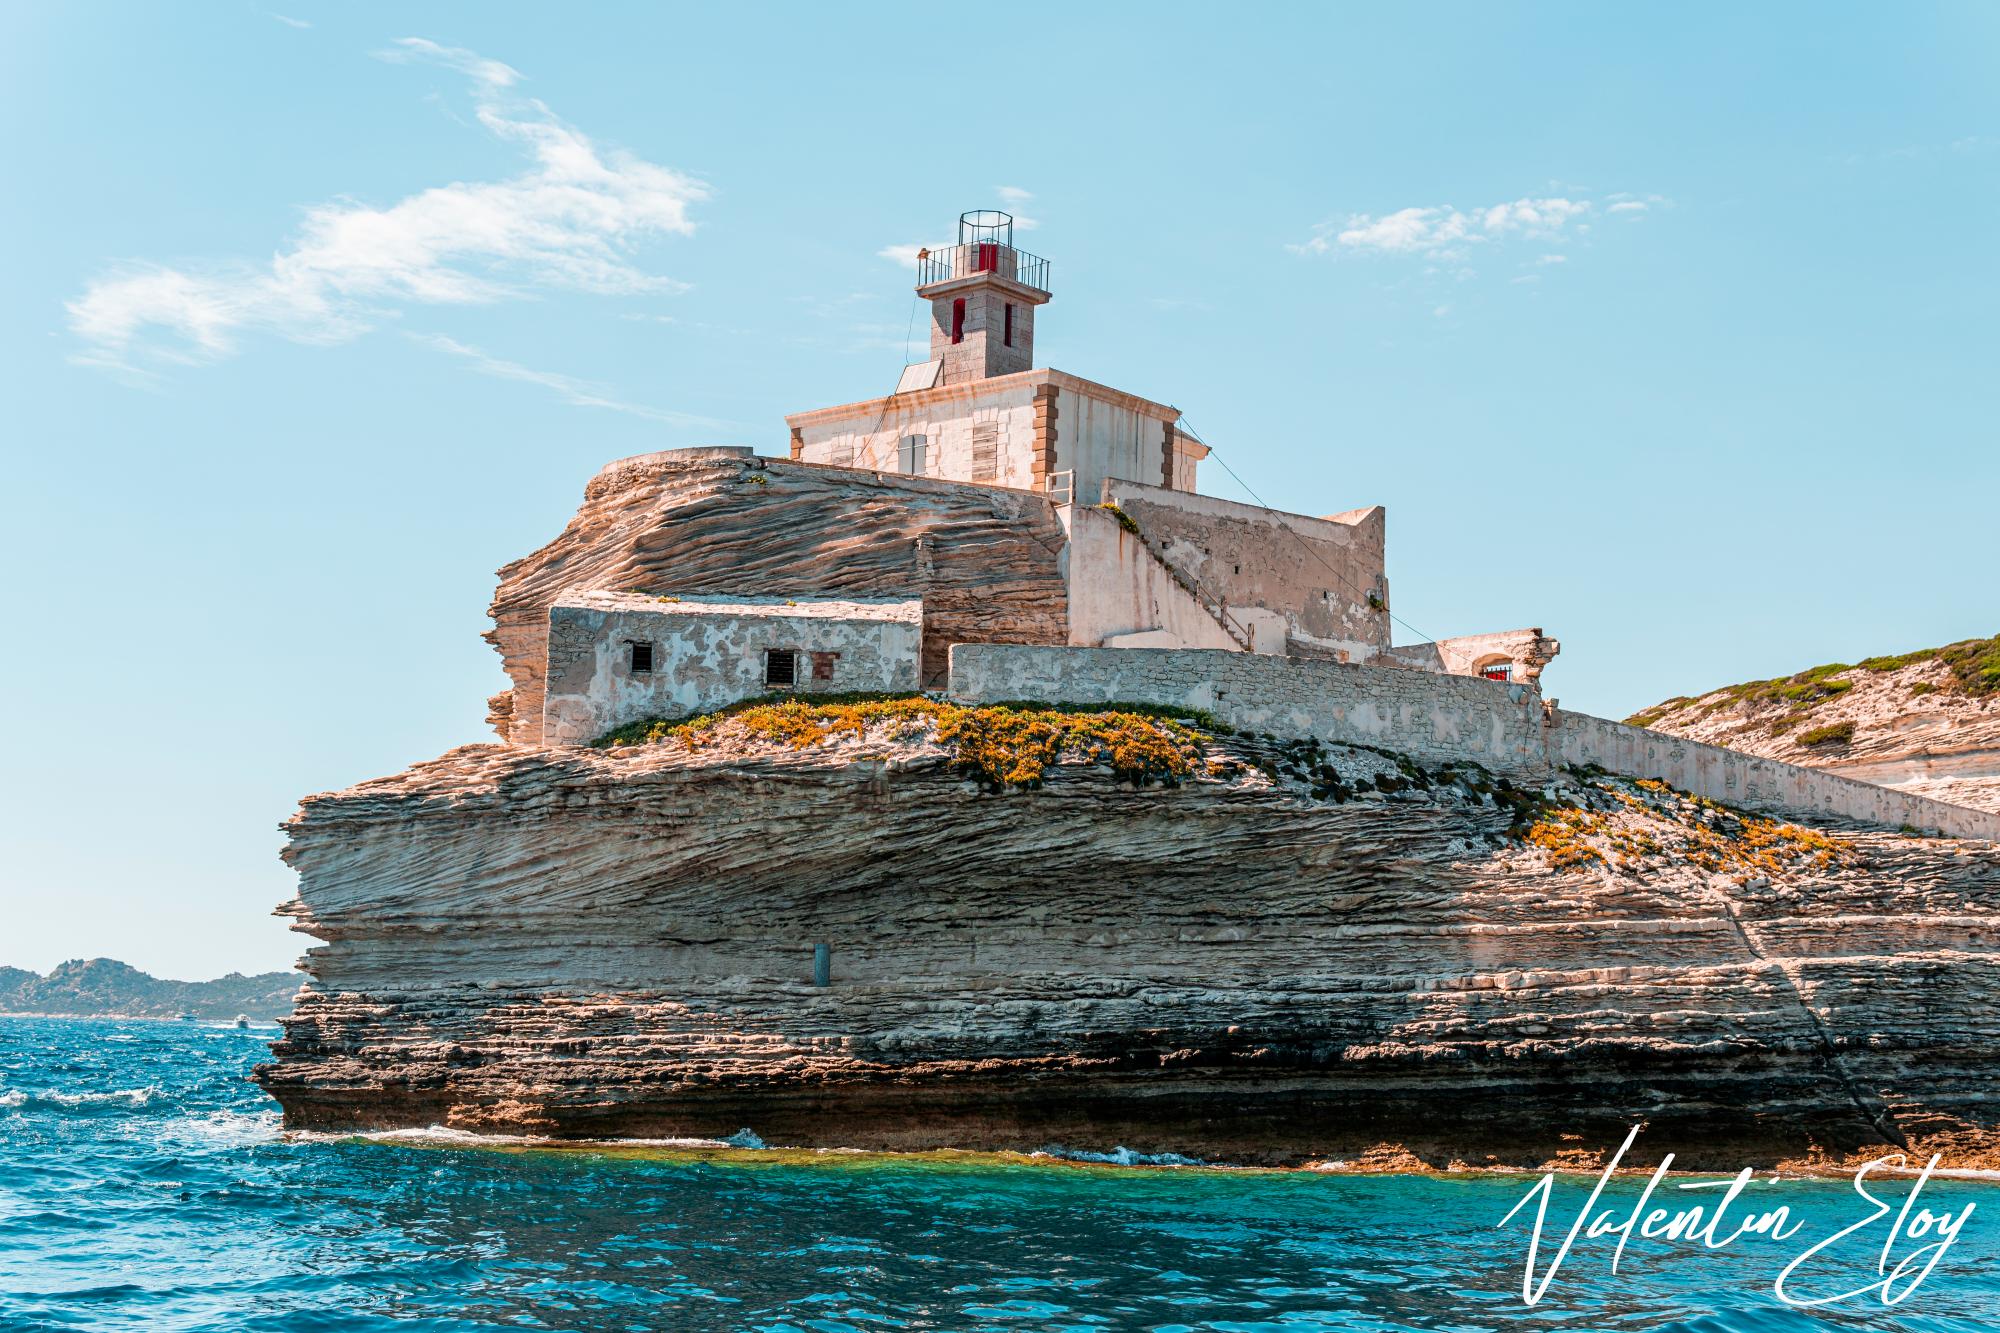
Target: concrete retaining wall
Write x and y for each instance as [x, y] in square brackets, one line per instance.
[1435, 720]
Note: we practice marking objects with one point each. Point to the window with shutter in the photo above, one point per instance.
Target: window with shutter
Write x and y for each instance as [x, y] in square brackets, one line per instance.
[911, 455]
[985, 450]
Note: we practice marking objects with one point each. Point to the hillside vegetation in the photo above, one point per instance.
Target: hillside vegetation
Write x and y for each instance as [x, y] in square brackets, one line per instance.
[1927, 720]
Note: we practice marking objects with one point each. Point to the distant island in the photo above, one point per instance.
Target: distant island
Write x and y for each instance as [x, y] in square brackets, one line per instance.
[104, 987]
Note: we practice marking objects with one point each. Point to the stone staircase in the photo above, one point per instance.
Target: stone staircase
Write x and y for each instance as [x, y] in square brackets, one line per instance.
[1192, 586]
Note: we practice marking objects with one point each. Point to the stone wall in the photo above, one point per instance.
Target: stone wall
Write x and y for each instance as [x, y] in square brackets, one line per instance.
[1752, 782]
[1117, 588]
[1435, 720]
[708, 654]
[1316, 572]
[1525, 651]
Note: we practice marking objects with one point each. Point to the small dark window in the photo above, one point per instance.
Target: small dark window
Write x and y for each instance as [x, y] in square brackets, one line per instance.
[1007, 334]
[781, 666]
[823, 665]
[958, 320]
[642, 655]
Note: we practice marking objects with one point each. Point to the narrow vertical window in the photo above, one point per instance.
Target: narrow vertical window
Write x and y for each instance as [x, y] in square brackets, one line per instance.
[911, 455]
[958, 320]
[1007, 333]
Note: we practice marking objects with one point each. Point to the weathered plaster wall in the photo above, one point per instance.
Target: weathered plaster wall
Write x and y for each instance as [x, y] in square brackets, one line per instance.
[709, 654]
[1099, 432]
[1528, 651]
[947, 422]
[1753, 782]
[1106, 434]
[1317, 572]
[1117, 588]
[1435, 719]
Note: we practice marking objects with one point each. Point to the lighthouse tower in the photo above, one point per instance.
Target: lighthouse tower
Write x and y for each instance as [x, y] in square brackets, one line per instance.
[983, 293]
[979, 409]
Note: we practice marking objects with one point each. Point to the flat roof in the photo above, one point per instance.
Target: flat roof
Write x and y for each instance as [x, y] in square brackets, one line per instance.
[907, 611]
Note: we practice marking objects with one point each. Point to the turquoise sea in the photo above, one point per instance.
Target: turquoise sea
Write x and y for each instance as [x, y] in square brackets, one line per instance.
[145, 1185]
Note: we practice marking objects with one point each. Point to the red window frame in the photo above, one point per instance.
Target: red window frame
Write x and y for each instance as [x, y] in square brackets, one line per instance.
[958, 320]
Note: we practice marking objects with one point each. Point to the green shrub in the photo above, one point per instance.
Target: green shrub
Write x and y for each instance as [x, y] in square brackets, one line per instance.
[1834, 733]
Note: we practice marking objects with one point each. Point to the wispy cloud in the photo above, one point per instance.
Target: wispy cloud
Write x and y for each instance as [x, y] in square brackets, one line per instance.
[906, 255]
[582, 393]
[1444, 232]
[1013, 199]
[290, 22]
[1449, 239]
[491, 77]
[571, 220]
[1635, 203]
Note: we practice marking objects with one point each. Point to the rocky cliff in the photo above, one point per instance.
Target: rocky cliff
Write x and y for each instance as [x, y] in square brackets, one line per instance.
[1122, 931]
[1927, 722]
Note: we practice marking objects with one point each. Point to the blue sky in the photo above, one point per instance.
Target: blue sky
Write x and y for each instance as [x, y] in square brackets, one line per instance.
[1670, 330]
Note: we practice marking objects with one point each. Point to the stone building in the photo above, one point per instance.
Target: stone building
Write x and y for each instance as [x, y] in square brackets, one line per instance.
[621, 657]
[1079, 498]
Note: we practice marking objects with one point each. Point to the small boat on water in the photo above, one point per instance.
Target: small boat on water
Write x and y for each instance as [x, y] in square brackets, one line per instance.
[189, 1017]
[243, 1020]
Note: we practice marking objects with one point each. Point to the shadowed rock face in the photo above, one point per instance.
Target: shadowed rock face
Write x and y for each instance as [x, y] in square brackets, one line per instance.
[985, 561]
[583, 943]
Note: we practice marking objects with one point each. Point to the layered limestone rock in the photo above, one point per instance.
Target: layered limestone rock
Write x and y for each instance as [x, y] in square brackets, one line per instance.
[1291, 952]
[985, 561]
[1926, 722]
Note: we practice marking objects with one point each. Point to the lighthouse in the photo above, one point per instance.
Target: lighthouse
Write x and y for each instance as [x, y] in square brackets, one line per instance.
[983, 293]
